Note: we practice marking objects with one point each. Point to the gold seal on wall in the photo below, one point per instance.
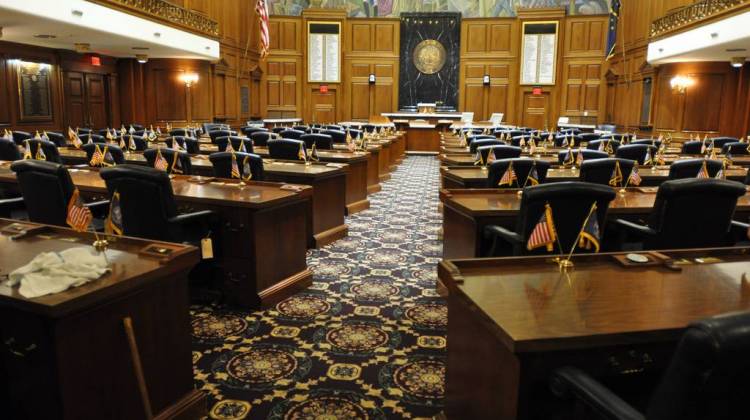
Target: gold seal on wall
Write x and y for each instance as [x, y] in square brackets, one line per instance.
[429, 56]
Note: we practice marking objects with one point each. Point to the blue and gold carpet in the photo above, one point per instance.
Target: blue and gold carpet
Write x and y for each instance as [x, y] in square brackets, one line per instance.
[366, 341]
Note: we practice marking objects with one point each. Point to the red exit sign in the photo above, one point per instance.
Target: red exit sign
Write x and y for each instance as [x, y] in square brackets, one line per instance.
[323, 88]
[536, 91]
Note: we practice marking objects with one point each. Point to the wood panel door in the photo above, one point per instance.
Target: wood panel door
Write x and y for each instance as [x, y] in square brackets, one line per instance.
[96, 100]
[75, 99]
[535, 110]
[87, 100]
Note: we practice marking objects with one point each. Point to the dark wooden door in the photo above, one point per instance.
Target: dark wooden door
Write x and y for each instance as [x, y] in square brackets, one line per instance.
[96, 100]
[75, 99]
[87, 103]
[535, 110]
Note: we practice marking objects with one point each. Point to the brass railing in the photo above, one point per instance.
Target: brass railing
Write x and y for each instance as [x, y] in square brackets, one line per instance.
[693, 13]
[167, 12]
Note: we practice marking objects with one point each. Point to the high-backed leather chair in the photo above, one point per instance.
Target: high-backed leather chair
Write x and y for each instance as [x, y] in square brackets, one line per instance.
[95, 138]
[321, 141]
[302, 128]
[220, 133]
[237, 143]
[209, 127]
[118, 158]
[570, 201]
[652, 142]
[474, 145]
[291, 134]
[168, 154]
[735, 148]
[562, 156]
[499, 152]
[589, 137]
[49, 149]
[719, 142]
[184, 132]
[516, 141]
[706, 378]
[472, 131]
[335, 127]
[475, 137]
[635, 152]
[622, 138]
[369, 128]
[260, 138]
[47, 189]
[104, 131]
[522, 168]
[140, 142]
[20, 136]
[222, 162]
[9, 150]
[692, 147]
[248, 131]
[688, 213]
[286, 149]
[190, 144]
[148, 206]
[595, 144]
[57, 138]
[560, 140]
[356, 134]
[338, 136]
[689, 168]
[599, 171]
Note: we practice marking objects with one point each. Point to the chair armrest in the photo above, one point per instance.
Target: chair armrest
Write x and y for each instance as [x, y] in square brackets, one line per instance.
[569, 382]
[188, 218]
[500, 232]
[13, 203]
[97, 205]
[739, 226]
[634, 228]
[740, 231]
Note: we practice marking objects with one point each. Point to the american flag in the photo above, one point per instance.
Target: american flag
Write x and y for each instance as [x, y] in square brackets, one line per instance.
[97, 157]
[314, 153]
[579, 157]
[533, 177]
[544, 233]
[648, 160]
[229, 147]
[635, 177]
[589, 237]
[301, 154]
[261, 9]
[40, 153]
[242, 146]
[508, 177]
[79, 216]
[131, 144]
[26, 150]
[247, 173]
[160, 163]
[114, 221]
[703, 173]
[235, 169]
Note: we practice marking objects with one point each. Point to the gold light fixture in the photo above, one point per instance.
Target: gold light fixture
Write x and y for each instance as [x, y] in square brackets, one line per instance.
[680, 84]
[738, 62]
[189, 79]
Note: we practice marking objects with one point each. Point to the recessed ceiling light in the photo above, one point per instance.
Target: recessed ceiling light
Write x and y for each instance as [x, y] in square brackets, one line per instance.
[738, 62]
[141, 58]
[208, 48]
[157, 34]
[45, 36]
[76, 13]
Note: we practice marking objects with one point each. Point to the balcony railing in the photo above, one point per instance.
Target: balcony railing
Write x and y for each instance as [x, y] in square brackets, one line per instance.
[168, 13]
[696, 12]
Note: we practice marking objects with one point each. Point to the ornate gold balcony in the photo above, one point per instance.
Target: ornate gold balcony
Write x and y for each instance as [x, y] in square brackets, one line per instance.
[167, 13]
[691, 14]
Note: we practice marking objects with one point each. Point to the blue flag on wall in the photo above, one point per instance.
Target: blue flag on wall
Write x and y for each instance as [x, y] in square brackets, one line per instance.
[614, 16]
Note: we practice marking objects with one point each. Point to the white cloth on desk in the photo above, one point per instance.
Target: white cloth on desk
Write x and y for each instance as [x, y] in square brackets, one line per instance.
[54, 272]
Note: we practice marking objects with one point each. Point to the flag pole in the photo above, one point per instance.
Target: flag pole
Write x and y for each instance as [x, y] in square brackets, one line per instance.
[567, 263]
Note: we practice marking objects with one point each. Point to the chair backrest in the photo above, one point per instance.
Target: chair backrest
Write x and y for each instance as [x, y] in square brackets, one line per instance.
[475, 137]
[652, 142]
[49, 149]
[338, 136]
[103, 132]
[334, 127]
[736, 148]
[9, 150]
[368, 128]
[57, 138]
[84, 130]
[693, 213]
[209, 127]
[20, 136]
[607, 127]
[286, 149]
[279, 129]
[600, 171]
[291, 134]
[250, 130]
[708, 375]
[260, 138]
[140, 142]
[169, 156]
[301, 127]
[595, 144]
[692, 147]
[588, 137]
[623, 138]
[190, 144]
[574, 131]
[115, 153]
[719, 142]
[522, 168]
[516, 141]
[500, 152]
[474, 145]
[562, 156]
[46, 188]
[635, 152]
[689, 168]
[237, 143]
[184, 132]
[472, 130]
[571, 202]
[146, 200]
[220, 133]
[321, 141]
[95, 138]
[561, 139]
[136, 127]
[222, 163]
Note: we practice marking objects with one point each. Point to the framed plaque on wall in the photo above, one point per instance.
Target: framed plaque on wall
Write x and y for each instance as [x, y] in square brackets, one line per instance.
[324, 52]
[539, 53]
[34, 91]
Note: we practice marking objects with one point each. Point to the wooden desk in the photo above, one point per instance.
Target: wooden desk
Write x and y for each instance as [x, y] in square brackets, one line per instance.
[422, 138]
[476, 177]
[467, 212]
[65, 355]
[259, 248]
[512, 321]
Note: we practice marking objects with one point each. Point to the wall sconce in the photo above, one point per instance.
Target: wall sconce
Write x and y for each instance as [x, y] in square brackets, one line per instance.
[680, 84]
[371, 79]
[486, 80]
[189, 79]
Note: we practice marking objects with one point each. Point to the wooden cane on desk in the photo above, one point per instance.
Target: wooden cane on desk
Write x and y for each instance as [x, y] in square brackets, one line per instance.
[128, 323]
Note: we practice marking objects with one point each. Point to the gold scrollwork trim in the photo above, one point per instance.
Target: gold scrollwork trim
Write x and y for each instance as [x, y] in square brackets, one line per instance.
[693, 13]
[166, 11]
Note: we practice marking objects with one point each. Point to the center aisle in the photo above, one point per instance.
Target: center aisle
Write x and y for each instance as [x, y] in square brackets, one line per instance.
[366, 340]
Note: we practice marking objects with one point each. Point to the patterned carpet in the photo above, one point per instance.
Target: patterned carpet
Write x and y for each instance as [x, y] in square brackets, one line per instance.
[366, 341]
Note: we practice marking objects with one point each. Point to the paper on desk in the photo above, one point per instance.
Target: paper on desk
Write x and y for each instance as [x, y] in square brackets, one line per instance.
[54, 272]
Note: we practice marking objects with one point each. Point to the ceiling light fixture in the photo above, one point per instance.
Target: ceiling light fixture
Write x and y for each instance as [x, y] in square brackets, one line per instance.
[738, 62]
[141, 58]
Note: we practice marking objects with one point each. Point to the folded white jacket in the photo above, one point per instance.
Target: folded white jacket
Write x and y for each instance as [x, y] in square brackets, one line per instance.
[54, 272]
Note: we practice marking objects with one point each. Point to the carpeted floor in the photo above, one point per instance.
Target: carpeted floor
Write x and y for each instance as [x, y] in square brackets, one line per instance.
[366, 341]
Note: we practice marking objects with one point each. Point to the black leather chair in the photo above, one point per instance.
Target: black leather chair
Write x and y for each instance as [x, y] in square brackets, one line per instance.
[596, 144]
[652, 142]
[140, 142]
[499, 152]
[516, 141]
[184, 132]
[570, 202]
[302, 128]
[338, 136]
[209, 127]
[687, 213]
[719, 142]
[735, 148]
[472, 131]
[369, 128]
[474, 145]
[705, 380]
[589, 137]
[237, 143]
[321, 141]
[635, 152]
[49, 149]
[260, 138]
[116, 154]
[286, 149]
[20, 136]
[148, 206]
[189, 144]
[522, 168]
[560, 140]
[139, 133]
[47, 189]
[291, 134]
[9, 150]
[248, 131]
[475, 137]
[279, 129]
[622, 138]
[220, 133]
[95, 138]
[689, 168]
[104, 131]
[222, 162]
[335, 127]
[599, 171]
[168, 154]
[57, 138]
[692, 147]
[562, 156]
[356, 134]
